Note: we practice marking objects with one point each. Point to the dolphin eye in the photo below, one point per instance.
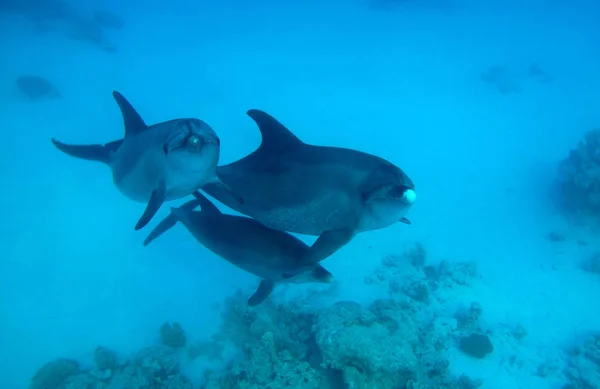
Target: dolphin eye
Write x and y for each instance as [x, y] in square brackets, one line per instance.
[193, 140]
[193, 143]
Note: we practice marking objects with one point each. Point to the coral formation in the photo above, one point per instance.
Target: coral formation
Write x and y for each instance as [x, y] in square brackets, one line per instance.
[476, 345]
[53, 374]
[344, 345]
[105, 359]
[395, 342]
[583, 370]
[579, 177]
[154, 367]
[172, 335]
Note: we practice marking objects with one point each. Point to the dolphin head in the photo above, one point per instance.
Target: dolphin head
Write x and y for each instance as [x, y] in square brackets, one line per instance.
[388, 195]
[192, 147]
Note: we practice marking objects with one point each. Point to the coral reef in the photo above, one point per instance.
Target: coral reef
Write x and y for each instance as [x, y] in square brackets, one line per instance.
[476, 345]
[54, 374]
[172, 335]
[105, 359]
[583, 370]
[579, 177]
[399, 341]
[154, 367]
[394, 342]
[409, 274]
[342, 346]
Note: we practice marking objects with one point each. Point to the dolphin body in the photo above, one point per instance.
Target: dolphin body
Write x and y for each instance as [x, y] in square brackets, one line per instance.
[331, 192]
[157, 163]
[267, 253]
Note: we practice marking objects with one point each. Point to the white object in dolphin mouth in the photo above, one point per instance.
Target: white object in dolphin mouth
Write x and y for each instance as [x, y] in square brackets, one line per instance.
[409, 196]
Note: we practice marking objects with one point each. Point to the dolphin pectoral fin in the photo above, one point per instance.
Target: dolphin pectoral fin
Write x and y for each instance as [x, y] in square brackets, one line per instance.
[100, 153]
[156, 200]
[328, 243]
[321, 274]
[227, 191]
[114, 145]
[205, 204]
[262, 292]
[231, 193]
[405, 221]
[162, 227]
[169, 222]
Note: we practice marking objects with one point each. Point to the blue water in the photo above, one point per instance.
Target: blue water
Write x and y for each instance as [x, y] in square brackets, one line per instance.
[403, 83]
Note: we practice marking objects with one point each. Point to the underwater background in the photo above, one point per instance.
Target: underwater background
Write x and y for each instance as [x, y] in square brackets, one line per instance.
[489, 107]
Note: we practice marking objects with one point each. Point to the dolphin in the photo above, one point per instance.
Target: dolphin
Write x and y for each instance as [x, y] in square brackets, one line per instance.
[267, 253]
[330, 192]
[157, 163]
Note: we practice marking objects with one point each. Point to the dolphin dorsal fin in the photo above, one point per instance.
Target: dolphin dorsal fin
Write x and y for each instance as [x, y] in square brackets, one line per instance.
[275, 136]
[134, 124]
[205, 204]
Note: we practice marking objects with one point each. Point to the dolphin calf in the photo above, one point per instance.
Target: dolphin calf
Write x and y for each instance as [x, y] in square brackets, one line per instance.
[157, 163]
[259, 250]
[331, 192]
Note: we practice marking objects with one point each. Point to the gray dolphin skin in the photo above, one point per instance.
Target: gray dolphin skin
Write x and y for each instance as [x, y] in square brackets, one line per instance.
[157, 163]
[331, 192]
[267, 253]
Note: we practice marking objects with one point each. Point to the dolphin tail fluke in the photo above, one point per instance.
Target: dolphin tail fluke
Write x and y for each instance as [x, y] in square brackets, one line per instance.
[100, 153]
[264, 290]
[169, 222]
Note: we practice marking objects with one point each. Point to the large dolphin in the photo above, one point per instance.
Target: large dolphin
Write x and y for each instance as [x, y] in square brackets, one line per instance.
[331, 192]
[157, 163]
[266, 253]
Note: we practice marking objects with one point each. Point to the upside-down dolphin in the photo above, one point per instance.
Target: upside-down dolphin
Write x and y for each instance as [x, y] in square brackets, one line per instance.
[266, 253]
[331, 192]
[157, 163]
